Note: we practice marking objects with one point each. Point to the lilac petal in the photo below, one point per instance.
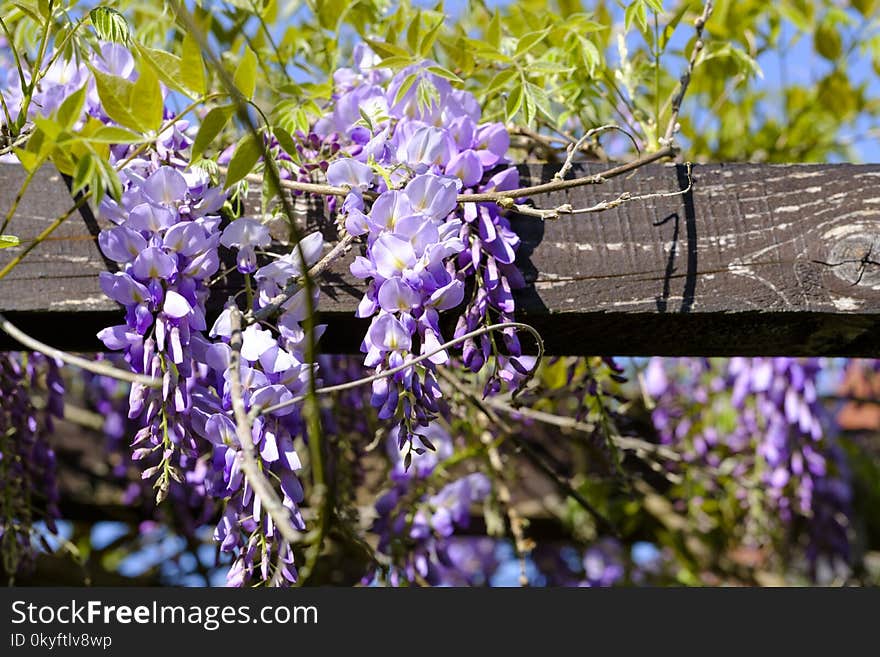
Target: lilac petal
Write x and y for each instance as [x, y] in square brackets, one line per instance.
[449, 296]
[121, 244]
[467, 167]
[245, 231]
[147, 217]
[220, 430]
[349, 173]
[392, 255]
[123, 288]
[154, 263]
[255, 342]
[175, 305]
[166, 185]
[434, 196]
[395, 295]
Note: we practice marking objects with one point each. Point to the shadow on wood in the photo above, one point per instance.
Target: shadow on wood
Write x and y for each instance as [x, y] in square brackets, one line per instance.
[754, 260]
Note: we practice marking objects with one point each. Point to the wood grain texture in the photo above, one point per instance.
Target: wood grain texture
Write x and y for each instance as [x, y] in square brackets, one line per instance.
[755, 260]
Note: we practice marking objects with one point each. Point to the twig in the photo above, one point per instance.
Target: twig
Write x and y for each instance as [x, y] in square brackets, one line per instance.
[294, 285]
[573, 149]
[415, 361]
[243, 430]
[493, 197]
[515, 520]
[21, 140]
[685, 80]
[484, 405]
[558, 185]
[640, 447]
[566, 209]
[90, 366]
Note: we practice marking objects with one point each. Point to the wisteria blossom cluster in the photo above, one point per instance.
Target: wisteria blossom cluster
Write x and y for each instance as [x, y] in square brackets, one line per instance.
[166, 242]
[765, 413]
[415, 530]
[28, 485]
[417, 143]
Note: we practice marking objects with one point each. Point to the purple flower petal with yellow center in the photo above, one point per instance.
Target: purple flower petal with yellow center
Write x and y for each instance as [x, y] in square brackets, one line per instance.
[449, 296]
[121, 244]
[347, 172]
[392, 255]
[429, 145]
[148, 217]
[466, 167]
[220, 430]
[186, 238]
[123, 288]
[166, 185]
[387, 332]
[154, 263]
[433, 196]
[395, 295]
[388, 209]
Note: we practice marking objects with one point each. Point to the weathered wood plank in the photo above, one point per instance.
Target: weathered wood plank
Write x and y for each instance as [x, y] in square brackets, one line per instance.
[757, 259]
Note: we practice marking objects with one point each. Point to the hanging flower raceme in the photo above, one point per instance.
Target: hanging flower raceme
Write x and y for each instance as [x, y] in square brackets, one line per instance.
[424, 525]
[761, 419]
[420, 247]
[28, 486]
[165, 243]
[274, 370]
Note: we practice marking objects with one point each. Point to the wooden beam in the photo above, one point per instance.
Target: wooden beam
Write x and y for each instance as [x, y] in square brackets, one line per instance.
[755, 260]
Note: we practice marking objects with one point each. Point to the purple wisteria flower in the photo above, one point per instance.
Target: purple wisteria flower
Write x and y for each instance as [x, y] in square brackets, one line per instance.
[420, 246]
[429, 533]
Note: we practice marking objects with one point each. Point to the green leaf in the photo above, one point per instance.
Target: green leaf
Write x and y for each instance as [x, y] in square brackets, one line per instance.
[111, 134]
[413, 32]
[8, 240]
[107, 179]
[549, 67]
[83, 173]
[827, 41]
[405, 86]
[592, 56]
[169, 68]
[71, 109]
[146, 99]
[529, 41]
[638, 12]
[122, 102]
[110, 25]
[384, 49]
[29, 160]
[30, 10]
[192, 66]
[500, 81]
[430, 38]
[514, 101]
[439, 71]
[211, 126]
[285, 141]
[528, 105]
[245, 77]
[50, 128]
[247, 153]
[493, 32]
